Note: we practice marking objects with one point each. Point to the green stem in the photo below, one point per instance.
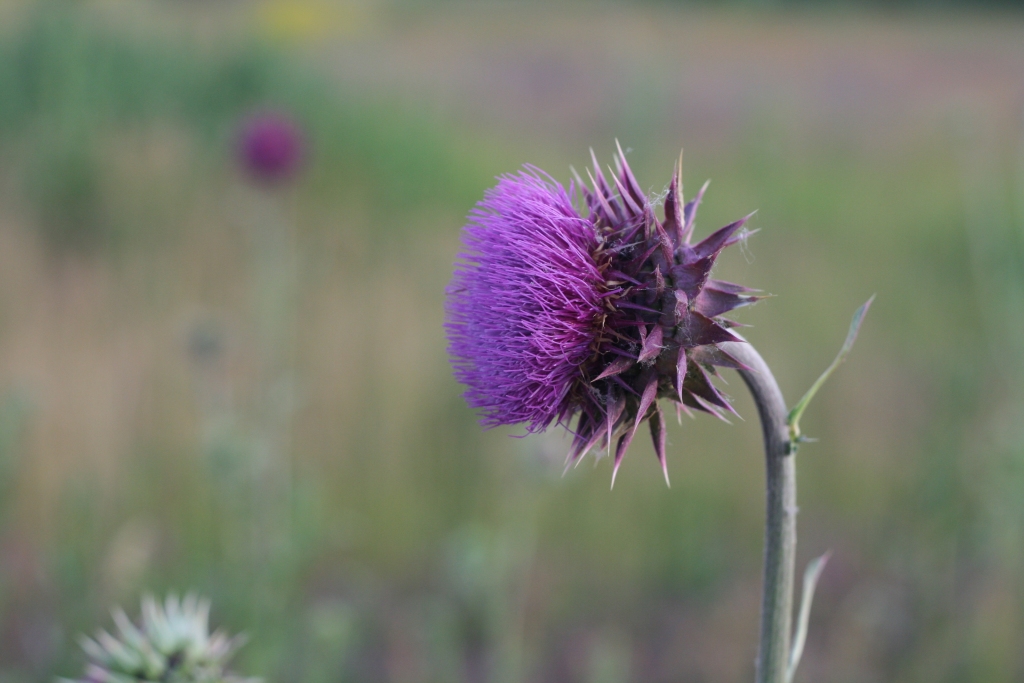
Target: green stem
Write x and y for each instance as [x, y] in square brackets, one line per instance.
[780, 519]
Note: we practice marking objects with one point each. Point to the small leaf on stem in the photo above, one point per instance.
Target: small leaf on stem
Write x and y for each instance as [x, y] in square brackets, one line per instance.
[793, 420]
[811, 575]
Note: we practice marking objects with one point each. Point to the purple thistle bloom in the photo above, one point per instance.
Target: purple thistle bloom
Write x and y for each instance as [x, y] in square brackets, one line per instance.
[270, 147]
[527, 302]
[556, 313]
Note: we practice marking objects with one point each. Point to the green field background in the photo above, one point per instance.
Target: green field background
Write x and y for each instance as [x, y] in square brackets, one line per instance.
[208, 385]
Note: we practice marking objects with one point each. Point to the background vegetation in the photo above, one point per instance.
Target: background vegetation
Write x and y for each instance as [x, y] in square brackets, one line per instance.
[242, 390]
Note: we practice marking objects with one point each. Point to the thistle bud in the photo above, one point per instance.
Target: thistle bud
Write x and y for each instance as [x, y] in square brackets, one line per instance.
[171, 644]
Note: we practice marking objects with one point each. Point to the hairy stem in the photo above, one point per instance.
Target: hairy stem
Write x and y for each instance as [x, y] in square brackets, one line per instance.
[780, 519]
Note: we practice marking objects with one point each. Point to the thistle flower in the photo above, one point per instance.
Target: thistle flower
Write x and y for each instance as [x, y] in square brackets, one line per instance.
[270, 147]
[581, 304]
[171, 645]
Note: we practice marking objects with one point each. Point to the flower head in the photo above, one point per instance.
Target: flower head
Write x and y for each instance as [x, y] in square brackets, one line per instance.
[594, 313]
[526, 303]
[172, 644]
[270, 147]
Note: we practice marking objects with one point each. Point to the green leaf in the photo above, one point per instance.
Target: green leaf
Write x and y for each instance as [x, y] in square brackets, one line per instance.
[798, 410]
[811, 576]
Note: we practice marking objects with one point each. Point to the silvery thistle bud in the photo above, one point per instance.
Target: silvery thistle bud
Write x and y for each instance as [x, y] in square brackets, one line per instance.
[171, 645]
[594, 313]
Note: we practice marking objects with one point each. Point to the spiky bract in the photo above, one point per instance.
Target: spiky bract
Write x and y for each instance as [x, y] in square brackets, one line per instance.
[595, 312]
[172, 644]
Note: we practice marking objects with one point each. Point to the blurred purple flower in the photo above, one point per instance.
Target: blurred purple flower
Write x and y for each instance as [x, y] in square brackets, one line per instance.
[554, 313]
[270, 147]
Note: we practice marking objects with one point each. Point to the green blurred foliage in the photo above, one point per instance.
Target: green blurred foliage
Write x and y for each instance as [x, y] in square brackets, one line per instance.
[245, 392]
[69, 82]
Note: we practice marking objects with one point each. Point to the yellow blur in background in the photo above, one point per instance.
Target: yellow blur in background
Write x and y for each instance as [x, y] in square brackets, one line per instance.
[297, 22]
